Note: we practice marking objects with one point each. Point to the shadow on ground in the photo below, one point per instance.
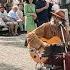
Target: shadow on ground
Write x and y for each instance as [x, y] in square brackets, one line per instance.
[20, 45]
[18, 41]
[8, 67]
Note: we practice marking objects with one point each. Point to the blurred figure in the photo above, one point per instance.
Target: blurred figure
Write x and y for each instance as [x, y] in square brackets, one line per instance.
[15, 2]
[39, 38]
[3, 1]
[6, 21]
[55, 6]
[13, 14]
[42, 11]
[30, 15]
[20, 14]
[3, 15]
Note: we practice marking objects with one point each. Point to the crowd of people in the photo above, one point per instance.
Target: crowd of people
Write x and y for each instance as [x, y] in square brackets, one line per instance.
[12, 19]
[38, 12]
[44, 22]
[31, 14]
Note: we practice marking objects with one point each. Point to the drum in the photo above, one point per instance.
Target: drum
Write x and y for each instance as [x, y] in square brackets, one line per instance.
[54, 54]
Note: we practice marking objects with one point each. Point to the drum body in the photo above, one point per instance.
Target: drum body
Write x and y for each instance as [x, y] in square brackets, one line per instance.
[58, 59]
[54, 54]
[67, 60]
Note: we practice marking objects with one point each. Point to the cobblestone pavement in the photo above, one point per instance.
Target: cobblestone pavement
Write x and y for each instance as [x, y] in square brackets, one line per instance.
[14, 55]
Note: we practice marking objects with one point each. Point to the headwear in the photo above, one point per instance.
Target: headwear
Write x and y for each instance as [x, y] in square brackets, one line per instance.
[60, 14]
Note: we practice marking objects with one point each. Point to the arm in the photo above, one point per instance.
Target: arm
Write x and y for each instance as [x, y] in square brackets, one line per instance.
[43, 8]
[40, 30]
[34, 37]
[40, 10]
[33, 40]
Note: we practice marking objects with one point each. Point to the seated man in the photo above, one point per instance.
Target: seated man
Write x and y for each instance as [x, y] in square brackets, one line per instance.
[48, 33]
[7, 21]
[13, 14]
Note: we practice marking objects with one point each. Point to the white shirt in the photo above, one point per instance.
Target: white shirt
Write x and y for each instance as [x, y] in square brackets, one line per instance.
[20, 13]
[3, 15]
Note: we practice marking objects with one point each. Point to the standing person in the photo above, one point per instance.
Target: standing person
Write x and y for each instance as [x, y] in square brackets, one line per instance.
[30, 15]
[8, 6]
[42, 11]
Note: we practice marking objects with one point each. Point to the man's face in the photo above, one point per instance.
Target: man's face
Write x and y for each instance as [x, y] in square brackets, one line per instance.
[15, 9]
[20, 7]
[2, 9]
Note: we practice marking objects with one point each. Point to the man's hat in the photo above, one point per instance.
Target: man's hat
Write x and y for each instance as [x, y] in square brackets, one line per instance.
[60, 14]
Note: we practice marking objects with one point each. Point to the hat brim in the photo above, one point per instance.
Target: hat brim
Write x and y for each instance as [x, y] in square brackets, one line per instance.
[58, 16]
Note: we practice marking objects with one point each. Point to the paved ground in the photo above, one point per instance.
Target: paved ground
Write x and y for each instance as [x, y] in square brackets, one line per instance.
[14, 55]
